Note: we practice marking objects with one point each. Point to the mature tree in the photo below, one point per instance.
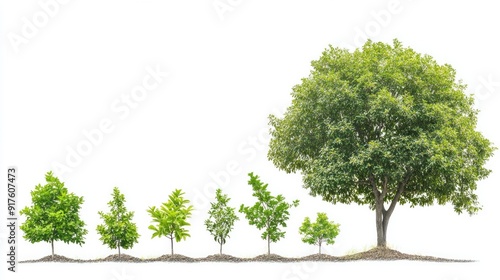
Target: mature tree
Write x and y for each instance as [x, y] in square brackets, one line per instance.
[319, 232]
[171, 218]
[221, 218]
[53, 214]
[118, 230]
[269, 212]
[379, 126]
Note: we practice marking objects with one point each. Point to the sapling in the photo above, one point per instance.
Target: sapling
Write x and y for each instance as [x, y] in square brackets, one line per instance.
[118, 230]
[221, 219]
[171, 218]
[319, 232]
[53, 214]
[269, 212]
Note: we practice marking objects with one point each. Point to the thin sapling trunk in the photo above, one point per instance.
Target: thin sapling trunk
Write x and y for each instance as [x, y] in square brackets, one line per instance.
[52, 245]
[172, 245]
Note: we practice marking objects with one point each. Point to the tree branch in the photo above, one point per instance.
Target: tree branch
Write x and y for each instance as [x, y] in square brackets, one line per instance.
[401, 189]
[384, 187]
[375, 190]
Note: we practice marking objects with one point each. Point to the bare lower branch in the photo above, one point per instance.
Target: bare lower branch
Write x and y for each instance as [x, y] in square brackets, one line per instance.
[384, 187]
[375, 190]
[400, 191]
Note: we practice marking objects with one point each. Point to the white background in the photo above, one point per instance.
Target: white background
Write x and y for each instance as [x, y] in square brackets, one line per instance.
[228, 70]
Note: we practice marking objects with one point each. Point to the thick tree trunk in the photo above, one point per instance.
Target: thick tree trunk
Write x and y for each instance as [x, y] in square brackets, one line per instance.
[52, 245]
[381, 220]
[220, 250]
[382, 215]
[119, 253]
[320, 248]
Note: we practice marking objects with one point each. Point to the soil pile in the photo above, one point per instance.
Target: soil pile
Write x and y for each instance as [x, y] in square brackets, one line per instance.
[375, 254]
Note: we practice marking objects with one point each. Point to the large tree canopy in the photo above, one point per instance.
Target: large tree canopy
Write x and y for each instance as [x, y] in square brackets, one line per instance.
[382, 124]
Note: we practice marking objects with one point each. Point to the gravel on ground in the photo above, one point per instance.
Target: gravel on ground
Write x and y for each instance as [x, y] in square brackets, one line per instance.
[221, 258]
[172, 258]
[375, 254]
[386, 254]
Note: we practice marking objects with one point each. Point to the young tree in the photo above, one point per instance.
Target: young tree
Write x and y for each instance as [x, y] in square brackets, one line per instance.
[383, 124]
[221, 218]
[118, 230]
[268, 213]
[53, 214]
[319, 232]
[171, 218]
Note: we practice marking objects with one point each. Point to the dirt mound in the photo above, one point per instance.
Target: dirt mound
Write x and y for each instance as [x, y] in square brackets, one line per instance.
[122, 258]
[221, 258]
[386, 254]
[320, 258]
[173, 258]
[375, 254]
[56, 258]
[271, 258]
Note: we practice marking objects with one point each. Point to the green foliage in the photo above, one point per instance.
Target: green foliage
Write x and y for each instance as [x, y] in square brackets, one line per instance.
[171, 218]
[269, 212]
[383, 122]
[53, 215]
[319, 232]
[221, 218]
[118, 230]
